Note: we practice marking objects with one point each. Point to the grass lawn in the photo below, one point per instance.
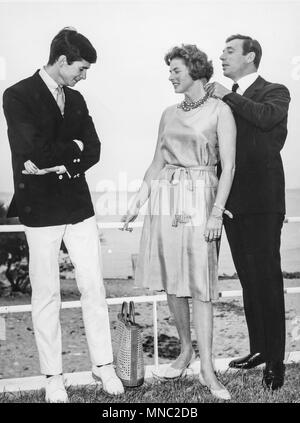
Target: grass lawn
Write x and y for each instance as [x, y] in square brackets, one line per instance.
[245, 387]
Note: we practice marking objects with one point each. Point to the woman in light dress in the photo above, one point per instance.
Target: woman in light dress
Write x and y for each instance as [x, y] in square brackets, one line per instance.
[182, 229]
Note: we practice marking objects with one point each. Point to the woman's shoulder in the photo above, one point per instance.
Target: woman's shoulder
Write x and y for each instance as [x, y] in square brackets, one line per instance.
[218, 103]
[222, 106]
[169, 111]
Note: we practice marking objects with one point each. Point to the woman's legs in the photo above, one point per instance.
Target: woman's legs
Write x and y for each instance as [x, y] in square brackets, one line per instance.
[180, 309]
[203, 324]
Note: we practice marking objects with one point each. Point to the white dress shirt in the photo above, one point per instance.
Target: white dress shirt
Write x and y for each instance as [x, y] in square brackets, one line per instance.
[52, 86]
[50, 83]
[245, 82]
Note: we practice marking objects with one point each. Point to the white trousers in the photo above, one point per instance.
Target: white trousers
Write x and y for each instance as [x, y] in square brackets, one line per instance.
[82, 242]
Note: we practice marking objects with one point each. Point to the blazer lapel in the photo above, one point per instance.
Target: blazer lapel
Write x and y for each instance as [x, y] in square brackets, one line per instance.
[43, 93]
[257, 85]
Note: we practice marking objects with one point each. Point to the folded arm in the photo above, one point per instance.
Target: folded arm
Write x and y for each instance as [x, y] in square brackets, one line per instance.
[28, 141]
[91, 143]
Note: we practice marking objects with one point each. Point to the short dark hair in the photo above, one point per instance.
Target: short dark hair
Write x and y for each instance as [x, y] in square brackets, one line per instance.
[249, 45]
[73, 45]
[196, 60]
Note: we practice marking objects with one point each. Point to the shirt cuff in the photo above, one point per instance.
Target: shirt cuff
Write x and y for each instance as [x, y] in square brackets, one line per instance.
[63, 168]
[80, 144]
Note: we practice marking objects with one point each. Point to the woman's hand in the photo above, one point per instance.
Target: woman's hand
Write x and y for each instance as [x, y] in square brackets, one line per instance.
[129, 217]
[213, 229]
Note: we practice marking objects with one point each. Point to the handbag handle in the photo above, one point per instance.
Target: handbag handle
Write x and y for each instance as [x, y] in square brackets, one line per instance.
[124, 311]
[128, 317]
[131, 312]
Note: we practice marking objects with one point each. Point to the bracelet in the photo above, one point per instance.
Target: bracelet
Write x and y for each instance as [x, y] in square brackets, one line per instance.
[219, 207]
[223, 210]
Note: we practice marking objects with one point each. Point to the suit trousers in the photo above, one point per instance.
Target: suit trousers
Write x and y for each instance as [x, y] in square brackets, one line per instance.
[82, 242]
[254, 241]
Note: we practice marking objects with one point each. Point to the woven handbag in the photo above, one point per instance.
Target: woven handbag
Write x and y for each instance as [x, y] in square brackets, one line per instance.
[130, 361]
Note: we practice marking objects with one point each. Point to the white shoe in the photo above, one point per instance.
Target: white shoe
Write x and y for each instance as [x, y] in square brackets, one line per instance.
[110, 381]
[55, 389]
[171, 372]
[222, 393]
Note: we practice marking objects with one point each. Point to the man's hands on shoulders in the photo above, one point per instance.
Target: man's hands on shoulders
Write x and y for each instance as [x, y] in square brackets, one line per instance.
[217, 90]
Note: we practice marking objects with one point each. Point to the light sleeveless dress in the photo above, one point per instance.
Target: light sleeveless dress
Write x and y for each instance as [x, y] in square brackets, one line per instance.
[174, 255]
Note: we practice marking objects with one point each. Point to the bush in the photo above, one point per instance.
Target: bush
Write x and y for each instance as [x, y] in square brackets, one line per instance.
[14, 260]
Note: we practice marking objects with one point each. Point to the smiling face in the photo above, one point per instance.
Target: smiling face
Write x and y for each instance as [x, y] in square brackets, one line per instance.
[179, 76]
[234, 63]
[71, 74]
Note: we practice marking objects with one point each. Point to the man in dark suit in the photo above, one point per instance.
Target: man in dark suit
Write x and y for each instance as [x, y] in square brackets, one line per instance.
[257, 201]
[53, 142]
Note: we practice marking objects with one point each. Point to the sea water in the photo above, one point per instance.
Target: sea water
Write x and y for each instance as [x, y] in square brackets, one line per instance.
[118, 247]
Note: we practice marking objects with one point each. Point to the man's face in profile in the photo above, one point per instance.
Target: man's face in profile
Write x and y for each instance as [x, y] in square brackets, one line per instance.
[73, 73]
[234, 62]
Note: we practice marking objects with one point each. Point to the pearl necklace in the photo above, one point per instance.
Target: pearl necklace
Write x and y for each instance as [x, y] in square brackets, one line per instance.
[187, 106]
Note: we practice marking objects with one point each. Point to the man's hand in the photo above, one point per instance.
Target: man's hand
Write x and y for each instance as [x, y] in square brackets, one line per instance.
[217, 90]
[32, 169]
[57, 169]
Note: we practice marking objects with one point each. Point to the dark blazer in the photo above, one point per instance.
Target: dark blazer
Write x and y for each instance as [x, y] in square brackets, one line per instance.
[38, 132]
[261, 119]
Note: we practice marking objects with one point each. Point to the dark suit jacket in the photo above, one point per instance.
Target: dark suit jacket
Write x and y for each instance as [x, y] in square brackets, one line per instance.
[261, 119]
[38, 132]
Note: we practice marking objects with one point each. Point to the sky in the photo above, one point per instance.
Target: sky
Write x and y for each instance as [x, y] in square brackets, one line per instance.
[128, 88]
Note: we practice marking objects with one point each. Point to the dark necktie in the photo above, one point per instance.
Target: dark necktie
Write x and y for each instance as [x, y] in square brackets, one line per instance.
[235, 87]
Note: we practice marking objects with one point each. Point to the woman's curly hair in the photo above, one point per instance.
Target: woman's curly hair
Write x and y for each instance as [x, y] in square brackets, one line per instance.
[196, 60]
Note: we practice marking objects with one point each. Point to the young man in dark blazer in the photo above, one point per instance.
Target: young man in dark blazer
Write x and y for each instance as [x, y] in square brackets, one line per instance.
[257, 201]
[53, 142]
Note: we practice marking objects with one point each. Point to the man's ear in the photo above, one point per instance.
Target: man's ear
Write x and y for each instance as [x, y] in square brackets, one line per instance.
[62, 60]
[250, 57]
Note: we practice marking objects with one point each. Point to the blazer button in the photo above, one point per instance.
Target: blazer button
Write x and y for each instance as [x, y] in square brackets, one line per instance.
[60, 177]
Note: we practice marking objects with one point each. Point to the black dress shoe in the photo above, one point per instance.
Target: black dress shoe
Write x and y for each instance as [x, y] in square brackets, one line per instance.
[273, 375]
[248, 362]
